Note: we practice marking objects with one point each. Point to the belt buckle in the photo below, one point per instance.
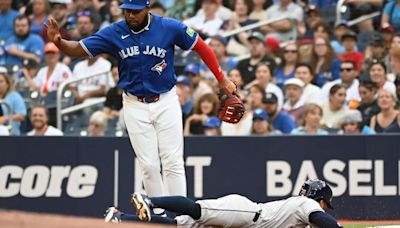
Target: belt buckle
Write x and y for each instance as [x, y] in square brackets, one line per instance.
[148, 100]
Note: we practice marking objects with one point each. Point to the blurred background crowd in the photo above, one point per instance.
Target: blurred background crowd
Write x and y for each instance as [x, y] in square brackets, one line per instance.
[313, 67]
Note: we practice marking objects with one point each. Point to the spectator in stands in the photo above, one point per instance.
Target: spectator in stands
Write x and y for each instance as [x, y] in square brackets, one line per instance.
[114, 13]
[390, 16]
[206, 24]
[323, 62]
[261, 125]
[218, 45]
[235, 76]
[28, 72]
[289, 28]
[247, 67]
[4, 131]
[59, 12]
[95, 86]
[182, 10]
[184, 90]
[54, 73]
[311, 92]
[272, 47]
[200, 87]
[286, 69]
[113, 103]
[7, 16]
[40, 12]
[387, 33]
[387, 117]
[280, 119]
[352, 123]
[158, 8]
[334, 109]
[238, 43]
[14, 99]
[223, 12]
[258, 12]
[23, 45]
[212, 126]
[264, 78]
[312, 116]
[349, 41]
[340, 29]
[368, 106]
[377, 73]
[360, 8]
[294, 101]
[394, 128]
[397, 84]
[97, 124]
[40, 123]
[206, 106]
[394, 56]
[375, 52]
[348, 78]
[313, 17]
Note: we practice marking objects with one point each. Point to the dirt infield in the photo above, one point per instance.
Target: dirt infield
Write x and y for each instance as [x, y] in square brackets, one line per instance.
[17, 219]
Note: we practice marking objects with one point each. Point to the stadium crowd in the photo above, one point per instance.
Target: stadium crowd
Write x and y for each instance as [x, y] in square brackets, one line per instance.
[309, 69]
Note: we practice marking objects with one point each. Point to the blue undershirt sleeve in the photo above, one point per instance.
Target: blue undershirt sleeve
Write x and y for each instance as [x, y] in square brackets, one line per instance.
[322, 219]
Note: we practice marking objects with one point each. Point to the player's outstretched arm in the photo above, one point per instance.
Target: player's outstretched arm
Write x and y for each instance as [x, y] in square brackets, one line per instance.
[71, 48]
[322, 219]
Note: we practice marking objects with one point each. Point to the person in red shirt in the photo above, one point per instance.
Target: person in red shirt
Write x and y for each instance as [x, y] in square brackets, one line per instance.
[349, 40]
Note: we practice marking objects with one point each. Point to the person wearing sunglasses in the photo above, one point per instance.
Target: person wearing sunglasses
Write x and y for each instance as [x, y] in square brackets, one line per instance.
[144, 45]
[348, 77]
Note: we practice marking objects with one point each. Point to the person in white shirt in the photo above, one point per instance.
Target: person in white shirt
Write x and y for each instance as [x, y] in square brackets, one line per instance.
[294, 101]
[39, 120]
[223, 12]
[348, 77]
[208, 23]
[95, 86]
[311, 92]
[4, 131]
[53, 74]
[335, 108]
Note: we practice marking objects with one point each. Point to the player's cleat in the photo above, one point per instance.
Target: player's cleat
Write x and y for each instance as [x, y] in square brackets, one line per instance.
[143, 206]
[112, 215]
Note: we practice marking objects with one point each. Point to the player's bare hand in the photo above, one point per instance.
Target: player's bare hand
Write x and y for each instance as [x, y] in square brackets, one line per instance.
[53, 31]
[228, 84]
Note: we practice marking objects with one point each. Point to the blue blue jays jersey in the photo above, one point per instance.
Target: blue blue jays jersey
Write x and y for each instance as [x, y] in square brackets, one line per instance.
[146, 59]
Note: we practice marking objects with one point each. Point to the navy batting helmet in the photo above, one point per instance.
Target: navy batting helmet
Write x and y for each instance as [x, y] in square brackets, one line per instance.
[317, 190]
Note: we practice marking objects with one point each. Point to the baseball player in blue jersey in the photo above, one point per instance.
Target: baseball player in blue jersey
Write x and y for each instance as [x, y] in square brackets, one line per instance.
[305, 210]
[144, 45]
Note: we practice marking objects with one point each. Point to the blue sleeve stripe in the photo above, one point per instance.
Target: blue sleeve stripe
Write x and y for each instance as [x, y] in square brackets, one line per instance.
[85, 48]
[194, 43]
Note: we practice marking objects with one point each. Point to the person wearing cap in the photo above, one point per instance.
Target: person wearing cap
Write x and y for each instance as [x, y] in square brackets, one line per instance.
[14, 100]
[248, 66]
[53, 73]
[184, 89]
[207, 24]
[280, 120]
[352, 123]
[22, 45]
[144, 45]
[387, 32]
[349, 78]
[391, 14]
[349, 41]
[261, 125]
[375, 51]
[294, 102]
[291, 27]
[199, 86]
[212, 126]
[310, 123]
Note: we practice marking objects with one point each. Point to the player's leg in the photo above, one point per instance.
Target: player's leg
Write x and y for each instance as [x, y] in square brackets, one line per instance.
[116, 216]
[143, 138]
[170, 142]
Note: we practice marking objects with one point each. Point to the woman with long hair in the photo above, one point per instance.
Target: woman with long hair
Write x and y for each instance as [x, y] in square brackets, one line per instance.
[286, 70]
[206, 106]
[335, 108]
[14, 100]
[378, 74]
[310, 123]
[388, 114]
[324, 63]
[40, 12]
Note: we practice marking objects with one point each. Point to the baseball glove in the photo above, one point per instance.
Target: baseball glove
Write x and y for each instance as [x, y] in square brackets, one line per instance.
[231, 107]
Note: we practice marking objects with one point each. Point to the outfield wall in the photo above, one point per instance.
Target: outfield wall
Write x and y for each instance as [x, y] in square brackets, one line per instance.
[77, 175]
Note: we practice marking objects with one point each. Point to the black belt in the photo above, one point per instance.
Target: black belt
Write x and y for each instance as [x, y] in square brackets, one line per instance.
[257, 216]
[145, 99]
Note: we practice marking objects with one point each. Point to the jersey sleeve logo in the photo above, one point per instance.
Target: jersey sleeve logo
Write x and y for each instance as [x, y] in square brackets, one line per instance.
[190, 31]
[159, 67]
